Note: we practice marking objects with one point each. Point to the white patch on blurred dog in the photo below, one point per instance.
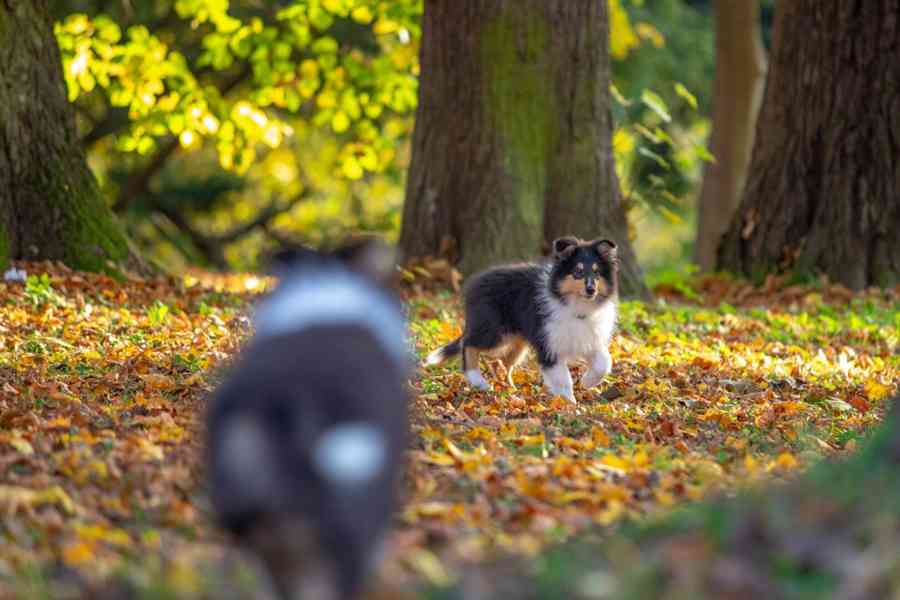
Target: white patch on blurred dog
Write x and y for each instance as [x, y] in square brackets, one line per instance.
[246, 454]
[316, 297]
[350, 454]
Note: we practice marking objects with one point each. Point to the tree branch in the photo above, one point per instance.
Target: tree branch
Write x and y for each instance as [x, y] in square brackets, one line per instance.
[138, 183]
[262, 220]
[115, 120]
[212, 246]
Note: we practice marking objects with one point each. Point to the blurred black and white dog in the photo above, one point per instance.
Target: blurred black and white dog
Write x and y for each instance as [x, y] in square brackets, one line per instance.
[307, 433]
[564, 309]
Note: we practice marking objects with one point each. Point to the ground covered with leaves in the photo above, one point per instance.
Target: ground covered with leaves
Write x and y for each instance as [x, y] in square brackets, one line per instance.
[716, 385]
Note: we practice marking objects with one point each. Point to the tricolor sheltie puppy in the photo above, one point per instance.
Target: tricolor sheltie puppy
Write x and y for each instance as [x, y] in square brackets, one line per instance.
[307, 433]
[564, 310]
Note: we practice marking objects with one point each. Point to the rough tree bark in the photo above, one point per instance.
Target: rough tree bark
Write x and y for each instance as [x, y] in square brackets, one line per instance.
[512, 144]
[50, 205]
[821, 192]
[737, 93]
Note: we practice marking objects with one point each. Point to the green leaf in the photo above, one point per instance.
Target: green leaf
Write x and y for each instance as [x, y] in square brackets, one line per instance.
[292, 99]
[686, 95]
[671, 216]
[654, 102]
[704, 154]
[617, 95]
[325, 45]
[655, 158]
[320, 18]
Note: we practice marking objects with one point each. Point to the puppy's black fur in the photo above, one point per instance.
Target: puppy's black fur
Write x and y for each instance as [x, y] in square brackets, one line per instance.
[284, 394]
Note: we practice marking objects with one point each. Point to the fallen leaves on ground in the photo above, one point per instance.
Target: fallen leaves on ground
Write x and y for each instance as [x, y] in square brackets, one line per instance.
[102, 389]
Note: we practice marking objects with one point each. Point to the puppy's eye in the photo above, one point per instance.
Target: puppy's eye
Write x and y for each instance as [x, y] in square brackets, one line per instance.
[579, 273]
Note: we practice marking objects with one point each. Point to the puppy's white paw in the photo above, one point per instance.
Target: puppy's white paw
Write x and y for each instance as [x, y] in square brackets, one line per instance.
[558, 381]
[568, 394]
[591, 379]
[477, 380]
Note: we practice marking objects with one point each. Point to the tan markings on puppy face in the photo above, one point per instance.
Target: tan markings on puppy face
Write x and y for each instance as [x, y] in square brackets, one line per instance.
[602, 287]
[471, 357]
[571, 286]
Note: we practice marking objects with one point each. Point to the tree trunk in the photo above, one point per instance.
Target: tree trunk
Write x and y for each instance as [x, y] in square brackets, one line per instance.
[512, 144]
[822, 188]
[738, 88]
[50, 205]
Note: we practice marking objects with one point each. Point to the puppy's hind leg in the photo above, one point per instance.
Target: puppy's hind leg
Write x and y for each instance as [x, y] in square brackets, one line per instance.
[470, 367]
[515, 354]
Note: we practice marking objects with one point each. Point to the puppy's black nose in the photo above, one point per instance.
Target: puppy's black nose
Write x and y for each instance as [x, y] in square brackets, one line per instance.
[590, 290]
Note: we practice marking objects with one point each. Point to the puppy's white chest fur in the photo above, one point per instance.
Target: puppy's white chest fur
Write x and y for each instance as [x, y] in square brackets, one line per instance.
[579, 329]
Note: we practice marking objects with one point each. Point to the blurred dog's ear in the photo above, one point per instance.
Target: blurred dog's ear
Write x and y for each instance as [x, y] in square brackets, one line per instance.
[564, 247]
[369, 256]
[606, 248]
[290, 255]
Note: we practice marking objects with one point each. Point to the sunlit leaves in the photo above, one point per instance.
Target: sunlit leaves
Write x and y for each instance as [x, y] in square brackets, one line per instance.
[296, 64]
[623, 37]
[654, 102]
[684, 93]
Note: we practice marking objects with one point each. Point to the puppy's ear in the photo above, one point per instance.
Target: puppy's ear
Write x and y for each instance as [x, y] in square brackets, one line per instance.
[564, 247]
[605, 248]
[370, 257]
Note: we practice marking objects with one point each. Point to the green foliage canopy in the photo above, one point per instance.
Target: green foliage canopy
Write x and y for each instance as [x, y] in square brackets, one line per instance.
[179, 98]
[344, 64]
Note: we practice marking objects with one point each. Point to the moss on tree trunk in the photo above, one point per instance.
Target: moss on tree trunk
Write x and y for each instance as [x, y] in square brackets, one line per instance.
[50, 205]
[512, 145]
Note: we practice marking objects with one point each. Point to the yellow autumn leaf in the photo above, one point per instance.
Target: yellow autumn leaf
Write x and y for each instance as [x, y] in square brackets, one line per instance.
[78, 553]
[21, 445]
[362, 14]
[612, 513]
[786, 461]
[611, 460]
[15, 498]
[599, 437]
[875, 390]
[351, 168]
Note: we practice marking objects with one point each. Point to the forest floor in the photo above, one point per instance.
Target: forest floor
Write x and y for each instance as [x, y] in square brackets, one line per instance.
[716, 387]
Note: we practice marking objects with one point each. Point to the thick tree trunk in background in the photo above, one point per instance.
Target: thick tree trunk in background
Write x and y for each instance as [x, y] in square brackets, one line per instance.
[822, 189]
[512, 144]
[737, 93]
[50, 205]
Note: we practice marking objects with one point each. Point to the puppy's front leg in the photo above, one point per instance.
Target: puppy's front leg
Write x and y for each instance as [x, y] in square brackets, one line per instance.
[558, 380]
[601, 365]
